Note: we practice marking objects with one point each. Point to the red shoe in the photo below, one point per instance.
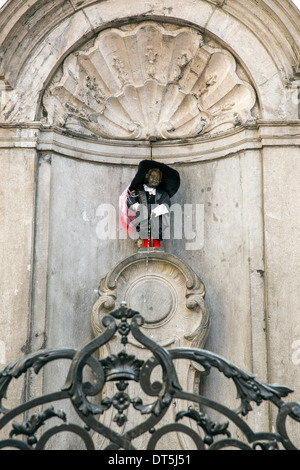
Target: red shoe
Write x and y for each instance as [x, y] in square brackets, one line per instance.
[147, 243]
[156, 244]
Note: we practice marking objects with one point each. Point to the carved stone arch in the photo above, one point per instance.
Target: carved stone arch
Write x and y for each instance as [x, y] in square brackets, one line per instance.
[47, 32]
[147, 79]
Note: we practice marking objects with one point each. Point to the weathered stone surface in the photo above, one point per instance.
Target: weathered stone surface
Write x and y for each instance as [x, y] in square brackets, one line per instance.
[281, 201]
[244, 178]
[17, 196]
[120, 86]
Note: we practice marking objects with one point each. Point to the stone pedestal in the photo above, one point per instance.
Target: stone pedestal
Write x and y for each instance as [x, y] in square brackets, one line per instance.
[164, 290]
[170, 297]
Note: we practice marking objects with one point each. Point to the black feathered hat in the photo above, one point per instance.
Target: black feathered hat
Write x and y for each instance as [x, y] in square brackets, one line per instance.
[170, 177]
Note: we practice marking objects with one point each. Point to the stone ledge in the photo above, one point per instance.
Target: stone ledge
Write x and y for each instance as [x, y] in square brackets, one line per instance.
[252, 136]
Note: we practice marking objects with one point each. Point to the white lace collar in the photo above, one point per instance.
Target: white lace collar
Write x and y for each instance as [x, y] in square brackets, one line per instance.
[149, 190]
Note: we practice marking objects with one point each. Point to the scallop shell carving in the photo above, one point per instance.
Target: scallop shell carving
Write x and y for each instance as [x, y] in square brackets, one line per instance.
[149, 79]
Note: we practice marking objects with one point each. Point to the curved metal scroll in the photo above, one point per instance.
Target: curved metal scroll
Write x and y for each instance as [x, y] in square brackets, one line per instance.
[90, 402]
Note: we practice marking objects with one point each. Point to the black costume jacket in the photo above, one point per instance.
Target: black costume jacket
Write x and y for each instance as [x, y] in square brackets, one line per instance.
[146, 224]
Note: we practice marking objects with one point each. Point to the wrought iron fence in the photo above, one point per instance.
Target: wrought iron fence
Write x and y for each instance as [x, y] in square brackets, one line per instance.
[123, 368]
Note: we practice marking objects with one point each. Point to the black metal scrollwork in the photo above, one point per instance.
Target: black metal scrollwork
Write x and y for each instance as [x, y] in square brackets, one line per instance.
[123, 368]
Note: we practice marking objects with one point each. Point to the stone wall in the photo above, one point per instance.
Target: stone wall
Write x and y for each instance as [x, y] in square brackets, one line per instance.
[58, 167]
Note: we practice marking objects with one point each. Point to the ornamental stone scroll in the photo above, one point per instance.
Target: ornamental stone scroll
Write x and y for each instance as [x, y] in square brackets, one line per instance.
[170, 297]
[164, 290]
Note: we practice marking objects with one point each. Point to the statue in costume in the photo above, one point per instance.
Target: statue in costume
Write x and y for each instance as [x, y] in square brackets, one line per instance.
[146, 201]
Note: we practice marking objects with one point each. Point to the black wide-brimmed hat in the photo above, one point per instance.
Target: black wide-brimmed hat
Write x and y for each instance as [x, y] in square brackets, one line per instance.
[170, 179]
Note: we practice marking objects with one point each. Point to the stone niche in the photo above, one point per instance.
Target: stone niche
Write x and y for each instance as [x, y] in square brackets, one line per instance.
[149, 79]
[170, 297]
